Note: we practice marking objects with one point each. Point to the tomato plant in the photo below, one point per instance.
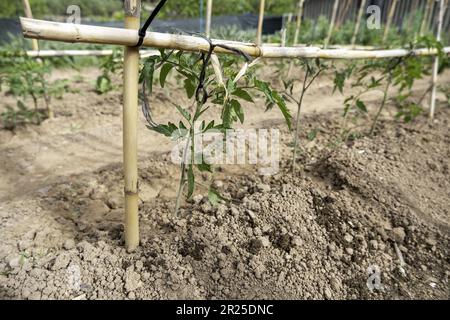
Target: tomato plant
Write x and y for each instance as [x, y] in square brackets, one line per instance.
[208, 84]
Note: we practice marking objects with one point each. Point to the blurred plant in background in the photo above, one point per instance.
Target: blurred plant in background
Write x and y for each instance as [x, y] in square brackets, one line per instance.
[27, 79]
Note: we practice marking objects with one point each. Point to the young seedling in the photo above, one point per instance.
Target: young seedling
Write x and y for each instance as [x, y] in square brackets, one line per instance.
[112, 64]
[27, 78]
[312, 71]
[382, 75]
[207, 83]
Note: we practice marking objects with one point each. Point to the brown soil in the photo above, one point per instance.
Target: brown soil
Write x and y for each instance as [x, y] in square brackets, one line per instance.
[313, 235]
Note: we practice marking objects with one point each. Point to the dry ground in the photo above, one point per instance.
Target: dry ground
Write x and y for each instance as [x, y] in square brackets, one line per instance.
[351, 207]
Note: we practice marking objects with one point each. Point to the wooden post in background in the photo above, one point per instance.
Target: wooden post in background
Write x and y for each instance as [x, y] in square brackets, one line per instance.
[332, 22]
[436, 59]
[29, 14]
[343, 12]
[287, 20]
[412, 15]
[430, 21]
[208, 18]
[389, 20]
[130, 119]
[301, 5]
[426, 13]
[262, 5]
[361, 11]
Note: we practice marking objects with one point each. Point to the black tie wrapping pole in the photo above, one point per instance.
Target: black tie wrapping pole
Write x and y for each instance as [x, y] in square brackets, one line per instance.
[143, 29]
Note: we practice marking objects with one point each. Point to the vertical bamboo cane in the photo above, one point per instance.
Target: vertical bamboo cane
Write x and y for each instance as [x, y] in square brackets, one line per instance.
[389, 20]
[446, 23]
[345, 8]
[431, 15]
[332, 22]
[29, 14]
[35, 46]
[208, 18]
[436, 60]
[412, 14]
[262, 5]
[423, 26]
[283, 32]
[361, 11]
[301, 5]
[130, 116]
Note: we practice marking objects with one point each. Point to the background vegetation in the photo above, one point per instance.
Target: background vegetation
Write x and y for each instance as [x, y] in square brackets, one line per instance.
[113, 8]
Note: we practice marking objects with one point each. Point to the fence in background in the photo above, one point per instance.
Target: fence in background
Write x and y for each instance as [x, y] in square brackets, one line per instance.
[404, 16]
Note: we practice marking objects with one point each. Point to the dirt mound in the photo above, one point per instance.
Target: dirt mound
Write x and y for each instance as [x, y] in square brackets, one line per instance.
[366, 219]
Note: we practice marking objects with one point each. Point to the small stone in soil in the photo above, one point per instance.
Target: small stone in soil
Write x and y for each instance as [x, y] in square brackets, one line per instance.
[399, 234]
[69, 244]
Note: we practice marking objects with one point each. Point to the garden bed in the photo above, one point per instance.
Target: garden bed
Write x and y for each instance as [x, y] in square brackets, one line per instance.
[318, 234]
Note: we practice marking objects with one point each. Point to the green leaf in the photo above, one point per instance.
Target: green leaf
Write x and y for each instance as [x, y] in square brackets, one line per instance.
[166, 130]
[283, 108]
[164, 72]
[103, 84]
[238, 110]
[275, 97]
[162, 53]
[339, 81]
[189, 87]
[183, 112]
[231, 86]
[191, 181]
[227, 115]
[214, 197]
[243, 95]
[199, 113]
[203, 167]
[209, 126]
[347, 108]
[148, 73]
[21, 106]
[312, 134]
[361, 106]
[265, 88]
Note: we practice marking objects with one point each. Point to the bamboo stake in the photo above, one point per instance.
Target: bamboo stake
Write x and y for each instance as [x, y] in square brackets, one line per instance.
[66, 32]
[333, 21]
[446, 25]
[35, 47]
[130, 117]
[361, 11]
[431, 15]
[389, 20]
[29, 14]
[423, 26]
[301, 5]
[262, 5]
[208, 18]
[343, 13]
[436, 60]
[286, 23]
[412, 14]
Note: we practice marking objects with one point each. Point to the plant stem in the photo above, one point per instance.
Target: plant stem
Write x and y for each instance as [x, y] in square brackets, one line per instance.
[297, 126]
[183, 174]
[383, 103]
[47, 100]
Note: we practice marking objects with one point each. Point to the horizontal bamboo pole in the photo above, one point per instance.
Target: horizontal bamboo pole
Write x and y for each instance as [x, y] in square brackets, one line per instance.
[81, 53]
[45, 30]
[333, 46]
